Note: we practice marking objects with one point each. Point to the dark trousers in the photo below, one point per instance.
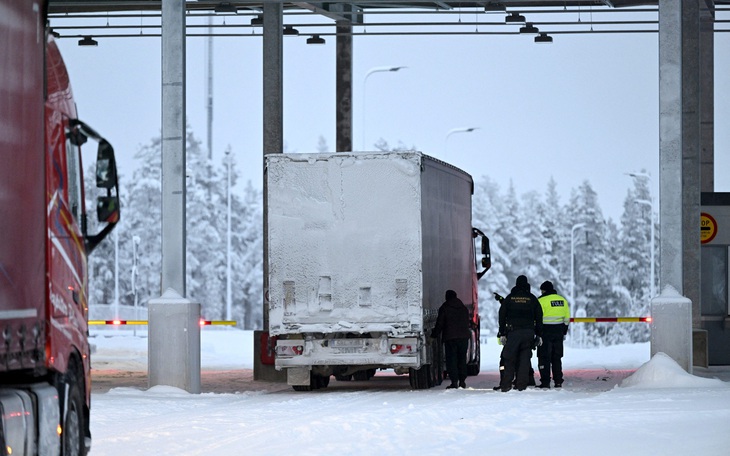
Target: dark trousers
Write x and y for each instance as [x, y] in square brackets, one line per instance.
[516, 354]
[456, 359]
[550, 354]
[530, 377]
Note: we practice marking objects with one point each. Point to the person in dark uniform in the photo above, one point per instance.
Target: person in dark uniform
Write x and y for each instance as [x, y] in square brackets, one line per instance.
[453, 324]
[502, 340]
[556, 318]
[520, 322]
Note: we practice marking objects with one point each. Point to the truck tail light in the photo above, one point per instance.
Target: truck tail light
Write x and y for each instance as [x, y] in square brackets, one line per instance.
[289, 350]
[402, 349]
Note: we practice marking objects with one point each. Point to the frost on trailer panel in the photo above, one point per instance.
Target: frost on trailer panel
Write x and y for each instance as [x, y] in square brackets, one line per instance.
[344, 242]
[448, 258]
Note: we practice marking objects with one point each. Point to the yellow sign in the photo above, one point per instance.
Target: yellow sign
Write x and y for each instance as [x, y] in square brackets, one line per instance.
[708, 228]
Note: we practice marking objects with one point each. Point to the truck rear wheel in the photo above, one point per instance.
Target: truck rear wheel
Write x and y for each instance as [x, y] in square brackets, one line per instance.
[72, 416]
[472, 368]
[315, 382]
[420, 378]
[438, 363]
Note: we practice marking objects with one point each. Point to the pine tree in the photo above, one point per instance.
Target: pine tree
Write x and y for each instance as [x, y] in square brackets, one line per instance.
[553, 229]
[594, 290]
[635, 257]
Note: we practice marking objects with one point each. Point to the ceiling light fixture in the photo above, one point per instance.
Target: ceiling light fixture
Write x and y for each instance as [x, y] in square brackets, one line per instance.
[88, 41]
[290, 31]
[315, 39]
[543, 38]
[495, 7]
[529, 28]
[515, 18]
[225, 7]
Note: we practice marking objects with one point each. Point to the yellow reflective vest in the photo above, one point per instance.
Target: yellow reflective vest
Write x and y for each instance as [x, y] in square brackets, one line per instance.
[555, 309]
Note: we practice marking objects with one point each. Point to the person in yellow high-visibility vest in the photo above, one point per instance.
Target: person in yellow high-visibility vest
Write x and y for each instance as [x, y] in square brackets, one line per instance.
[555, 320]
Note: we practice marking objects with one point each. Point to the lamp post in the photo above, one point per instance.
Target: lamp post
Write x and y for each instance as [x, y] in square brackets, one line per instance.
[650, 203]
[116, 274]
[572, 261]
[364, 97]
[228, 237]
[456, 130]
[651, 242]
[135, 244]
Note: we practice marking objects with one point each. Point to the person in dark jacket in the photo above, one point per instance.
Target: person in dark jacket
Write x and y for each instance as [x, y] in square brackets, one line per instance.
[520, 324]
[452, 324]
[502, 341]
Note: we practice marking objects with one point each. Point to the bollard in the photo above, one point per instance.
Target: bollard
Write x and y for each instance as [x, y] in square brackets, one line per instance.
[174, 342]
[671, 327]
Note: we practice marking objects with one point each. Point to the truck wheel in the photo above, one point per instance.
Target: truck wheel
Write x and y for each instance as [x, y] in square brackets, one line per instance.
[472, 369]
[322, 381]
[419, 377]
[361, 376]
[437, 365]
[72, 437]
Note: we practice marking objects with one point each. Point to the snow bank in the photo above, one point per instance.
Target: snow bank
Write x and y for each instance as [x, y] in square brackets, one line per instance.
[661, 371]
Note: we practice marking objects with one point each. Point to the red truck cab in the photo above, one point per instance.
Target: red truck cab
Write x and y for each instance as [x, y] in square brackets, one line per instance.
[44, 354]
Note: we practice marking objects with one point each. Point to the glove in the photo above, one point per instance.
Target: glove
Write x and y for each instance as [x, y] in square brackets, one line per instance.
[502, 340]
[538, 341]
[497, 297]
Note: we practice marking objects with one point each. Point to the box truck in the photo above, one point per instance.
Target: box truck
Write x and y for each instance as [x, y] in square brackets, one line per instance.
[361, 249]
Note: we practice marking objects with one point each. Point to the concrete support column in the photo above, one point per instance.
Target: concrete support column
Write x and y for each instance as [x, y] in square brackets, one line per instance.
[691, 154]
[707, 98]
[671, 327]
[273, 110]
[273, 68]
[173, 146]
[174, 331]
[174, 342]
[670, 144]
[344, 86]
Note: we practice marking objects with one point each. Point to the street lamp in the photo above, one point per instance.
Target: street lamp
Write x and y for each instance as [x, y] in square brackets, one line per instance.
[364, 97]
[135, 244]
[228, 237]
[650, 203]
[116, 274]
[572, 261]
[651, 241]
[456, 130]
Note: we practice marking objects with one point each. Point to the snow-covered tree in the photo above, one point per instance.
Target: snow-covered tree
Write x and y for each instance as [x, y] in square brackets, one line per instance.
[635, 258]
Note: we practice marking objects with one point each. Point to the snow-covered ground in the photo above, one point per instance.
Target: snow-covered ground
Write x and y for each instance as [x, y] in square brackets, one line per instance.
[615, 401]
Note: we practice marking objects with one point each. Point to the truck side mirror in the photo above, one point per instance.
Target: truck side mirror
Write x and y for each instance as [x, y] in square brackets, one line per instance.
[106, 166]
[486, 262]
[107, 209]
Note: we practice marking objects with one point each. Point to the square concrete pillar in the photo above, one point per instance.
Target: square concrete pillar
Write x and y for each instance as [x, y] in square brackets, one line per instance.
[671, 327]
[174, 342]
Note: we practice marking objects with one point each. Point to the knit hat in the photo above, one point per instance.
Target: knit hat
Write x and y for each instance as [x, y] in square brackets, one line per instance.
[522, 282]
[450, 294]
[547, 286]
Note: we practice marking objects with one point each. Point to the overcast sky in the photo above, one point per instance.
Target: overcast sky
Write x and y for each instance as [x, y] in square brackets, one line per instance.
[583, 107]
